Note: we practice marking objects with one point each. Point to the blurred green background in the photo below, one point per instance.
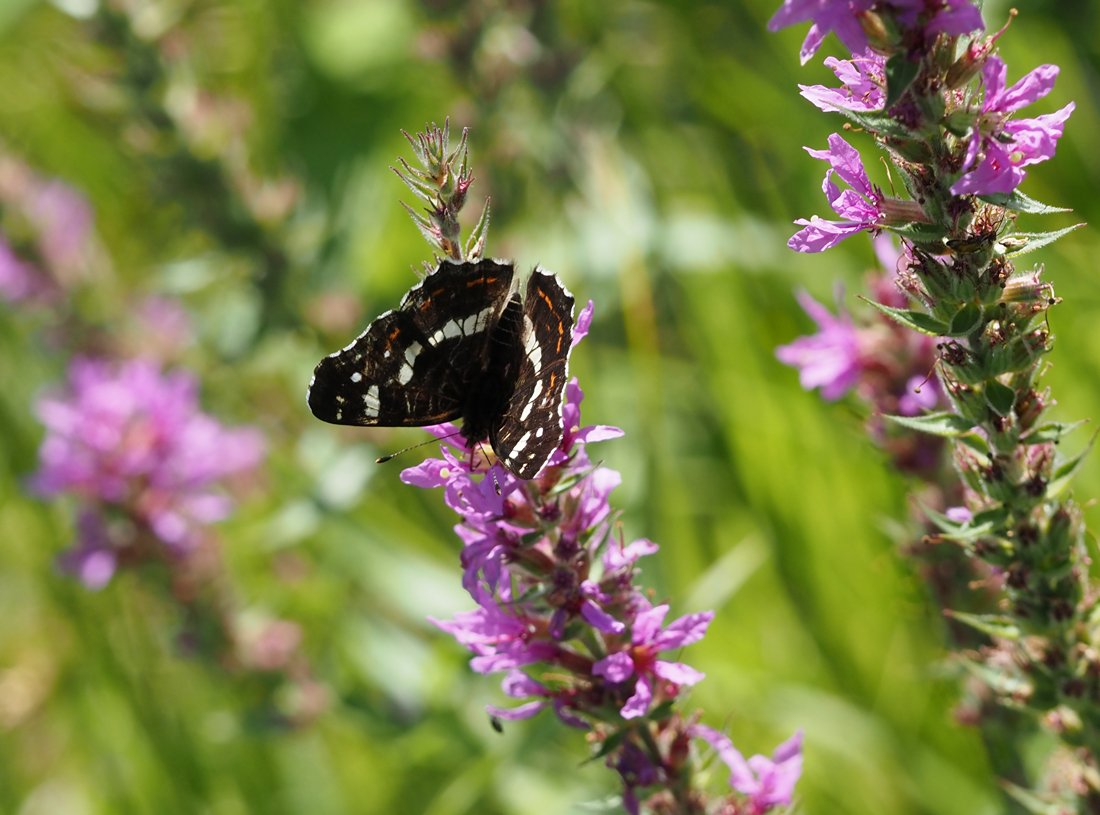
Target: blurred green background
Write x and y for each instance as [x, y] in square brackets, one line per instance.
[651, 154]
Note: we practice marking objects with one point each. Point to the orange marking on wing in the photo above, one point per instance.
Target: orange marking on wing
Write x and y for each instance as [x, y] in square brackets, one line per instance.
[553, 379]
[393, 335]
[480, 281]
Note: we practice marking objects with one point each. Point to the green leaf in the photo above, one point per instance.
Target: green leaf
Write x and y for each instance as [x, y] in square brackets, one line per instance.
[1062, 475]
[1018, 202]
[948, 425]
[475, 244]
[900, 73]
[993, 625]
[1003, 683]
[931, 234]
[1000, 397]
[916, 320]
[966, 320]
[1051, 432]
[879, 123]
[1032, 802]
[975, 443]
[1021, 243]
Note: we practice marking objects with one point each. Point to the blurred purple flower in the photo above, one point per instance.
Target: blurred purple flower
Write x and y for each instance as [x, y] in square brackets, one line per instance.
[999, 149]
[960, 515]
[768, 782]
[639, 659]
[921, 393]
[862, 207]
[19, 280]
[829, 359]
[63, 219]
[129, 440]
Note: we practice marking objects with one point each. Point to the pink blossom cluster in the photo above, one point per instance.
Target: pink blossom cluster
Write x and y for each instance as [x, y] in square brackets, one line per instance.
[559, 614]
[145, 464]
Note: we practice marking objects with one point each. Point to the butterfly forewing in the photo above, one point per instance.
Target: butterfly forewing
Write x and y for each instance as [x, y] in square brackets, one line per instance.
[410, 367]
[530, 427]
[462, 345]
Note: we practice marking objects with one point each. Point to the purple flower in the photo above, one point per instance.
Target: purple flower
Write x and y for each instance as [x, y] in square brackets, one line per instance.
[499, 637]
[639, 661]
[130, 441]
[584, 322]
[862, 206]
[999, 149]
[768, 782]
[829, 359]
[844, 17]
[840, 16]
[959, 514]
[863, 80]
[939, 16]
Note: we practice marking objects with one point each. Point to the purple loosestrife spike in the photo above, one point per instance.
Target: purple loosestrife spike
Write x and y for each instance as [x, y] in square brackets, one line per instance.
[558, 612]
[1000, 148]
[131, 443]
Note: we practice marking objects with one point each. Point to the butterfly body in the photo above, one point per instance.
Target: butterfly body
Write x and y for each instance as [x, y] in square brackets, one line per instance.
[462, 345]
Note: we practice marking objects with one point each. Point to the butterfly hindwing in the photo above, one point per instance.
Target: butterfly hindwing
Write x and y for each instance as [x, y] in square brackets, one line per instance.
[530, 426]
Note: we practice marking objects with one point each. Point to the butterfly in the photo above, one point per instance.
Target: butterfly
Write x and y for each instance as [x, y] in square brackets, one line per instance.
[462, 345]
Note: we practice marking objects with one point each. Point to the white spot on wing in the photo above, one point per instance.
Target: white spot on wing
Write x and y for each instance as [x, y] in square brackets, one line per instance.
[531, 344]
[356, 376]
[406, 372]
[520, 445]
[451, 329]
[371, 405]
[531, 402]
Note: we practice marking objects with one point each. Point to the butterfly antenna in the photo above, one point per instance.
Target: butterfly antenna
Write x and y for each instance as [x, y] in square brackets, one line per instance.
[403, 450]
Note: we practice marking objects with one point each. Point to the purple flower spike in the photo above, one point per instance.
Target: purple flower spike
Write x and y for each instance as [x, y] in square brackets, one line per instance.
[131, 441]
[999, 149]
[768, 782]
[862, 206]
[829, 359]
